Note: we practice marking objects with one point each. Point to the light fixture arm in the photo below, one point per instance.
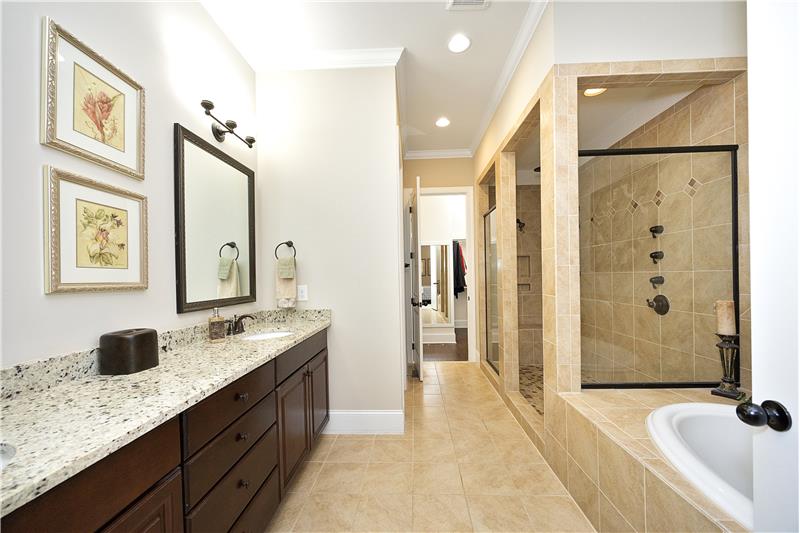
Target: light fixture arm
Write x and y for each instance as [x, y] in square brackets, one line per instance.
[220, 129]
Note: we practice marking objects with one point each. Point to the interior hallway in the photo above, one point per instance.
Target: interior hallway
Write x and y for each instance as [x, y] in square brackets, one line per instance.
[457, 351]
[463, 464]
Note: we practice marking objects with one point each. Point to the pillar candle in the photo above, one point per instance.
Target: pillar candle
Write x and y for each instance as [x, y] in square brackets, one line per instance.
[726, 317]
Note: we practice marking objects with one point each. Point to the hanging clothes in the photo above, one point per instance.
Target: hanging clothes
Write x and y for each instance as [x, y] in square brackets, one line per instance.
[459, 269]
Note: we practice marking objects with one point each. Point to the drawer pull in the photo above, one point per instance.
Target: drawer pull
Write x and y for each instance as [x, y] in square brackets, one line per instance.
[242, 436]
[243, 483]
[243, 396]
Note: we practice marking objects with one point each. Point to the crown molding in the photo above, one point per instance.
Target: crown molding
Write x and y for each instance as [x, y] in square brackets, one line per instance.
[350, 58]
[438, 154]
[529, 24]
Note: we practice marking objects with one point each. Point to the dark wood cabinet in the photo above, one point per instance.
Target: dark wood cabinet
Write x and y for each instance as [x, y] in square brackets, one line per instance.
[318, 388]
[293, 423]
[159, 511]
[219, 466]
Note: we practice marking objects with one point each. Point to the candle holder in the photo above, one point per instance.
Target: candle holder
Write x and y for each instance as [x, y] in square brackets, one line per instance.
[728, 355]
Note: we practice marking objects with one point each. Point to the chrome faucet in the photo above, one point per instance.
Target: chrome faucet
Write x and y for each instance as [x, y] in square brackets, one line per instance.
[236, 326]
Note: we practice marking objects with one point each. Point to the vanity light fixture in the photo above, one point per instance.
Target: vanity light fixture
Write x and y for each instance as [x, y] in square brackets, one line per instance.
[459, 43]
[596, 91]
[220, 129]
[442, 122]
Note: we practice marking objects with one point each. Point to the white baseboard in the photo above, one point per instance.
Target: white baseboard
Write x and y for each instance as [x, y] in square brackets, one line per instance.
[439, 337]
[372, 422]
[461, 323]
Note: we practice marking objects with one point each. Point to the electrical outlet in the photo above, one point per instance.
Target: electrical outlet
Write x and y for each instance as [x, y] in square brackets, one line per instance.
[302, 293]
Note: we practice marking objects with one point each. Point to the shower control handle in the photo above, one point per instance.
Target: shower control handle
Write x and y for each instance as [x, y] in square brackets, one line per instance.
[769, 413]
[656, 256]
[656, 230]
[655, 281]
[659, 304]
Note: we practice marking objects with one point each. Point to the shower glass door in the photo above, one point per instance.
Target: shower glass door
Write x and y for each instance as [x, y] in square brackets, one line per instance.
[492, 309]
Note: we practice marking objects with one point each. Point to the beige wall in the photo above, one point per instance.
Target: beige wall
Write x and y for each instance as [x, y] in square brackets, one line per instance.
[448, 172]
[338, 197]
[689, 194]
[529, 275]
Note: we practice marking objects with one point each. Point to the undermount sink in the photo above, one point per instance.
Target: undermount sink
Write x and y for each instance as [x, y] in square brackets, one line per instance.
[7, 452]
[267, 336]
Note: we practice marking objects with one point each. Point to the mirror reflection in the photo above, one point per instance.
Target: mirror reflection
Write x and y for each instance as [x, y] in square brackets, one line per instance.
[435, 284]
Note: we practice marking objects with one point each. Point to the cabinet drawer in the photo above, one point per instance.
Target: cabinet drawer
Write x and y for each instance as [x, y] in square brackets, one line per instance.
[289, 361]
[158, 511]
[89, 499]
[258, 513]
[205, 468]
[204, 420]
[226, 501]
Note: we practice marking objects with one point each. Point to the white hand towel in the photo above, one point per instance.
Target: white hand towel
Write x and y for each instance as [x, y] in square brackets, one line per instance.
[229, 287]
[285, 291]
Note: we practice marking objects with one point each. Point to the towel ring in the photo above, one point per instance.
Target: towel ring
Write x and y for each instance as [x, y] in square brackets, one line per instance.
[232, 245]
[290, 244]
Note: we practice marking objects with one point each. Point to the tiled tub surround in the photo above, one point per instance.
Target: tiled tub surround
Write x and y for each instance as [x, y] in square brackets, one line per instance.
[605, 457]
[63, 428]
[621, 197]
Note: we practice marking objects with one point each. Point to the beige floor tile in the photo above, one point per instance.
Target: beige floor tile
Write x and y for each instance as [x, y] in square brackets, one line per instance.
[517, 451]
[476, 449]
[391, 451]
[498, 513]
[437, 478]
[556, 514]
[487, 478]
[343, 478]
[328, 512]
[505, 429]
[433, 451]
[322, 448]
[384, 512]
[536, 479]
[350, 450]
[387, 478]
[440, 512]
[287, 513]
[305, 478]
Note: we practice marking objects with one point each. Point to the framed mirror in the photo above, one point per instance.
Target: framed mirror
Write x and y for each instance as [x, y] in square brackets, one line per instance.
[215, 248]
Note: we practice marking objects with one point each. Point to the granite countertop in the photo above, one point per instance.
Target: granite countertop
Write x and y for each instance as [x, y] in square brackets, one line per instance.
[60, 431]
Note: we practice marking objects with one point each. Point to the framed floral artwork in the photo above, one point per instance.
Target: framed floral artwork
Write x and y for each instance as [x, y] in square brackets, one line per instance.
[90, 108]
[95, 235]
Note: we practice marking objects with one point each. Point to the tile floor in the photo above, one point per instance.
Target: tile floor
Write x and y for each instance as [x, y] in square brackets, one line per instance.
[463, 464]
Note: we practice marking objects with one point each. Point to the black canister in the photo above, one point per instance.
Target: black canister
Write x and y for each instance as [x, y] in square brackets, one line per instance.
[127, 351]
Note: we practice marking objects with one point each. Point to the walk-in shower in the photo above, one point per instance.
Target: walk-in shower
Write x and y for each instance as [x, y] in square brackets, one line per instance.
[659, 244]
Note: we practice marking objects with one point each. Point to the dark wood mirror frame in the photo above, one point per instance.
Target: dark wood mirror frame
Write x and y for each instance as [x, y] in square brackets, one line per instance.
[181, 135]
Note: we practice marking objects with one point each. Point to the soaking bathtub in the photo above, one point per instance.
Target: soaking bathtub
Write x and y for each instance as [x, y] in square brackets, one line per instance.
[708, 444]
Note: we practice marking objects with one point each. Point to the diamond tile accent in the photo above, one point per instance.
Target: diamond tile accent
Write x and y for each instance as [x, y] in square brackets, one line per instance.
[658, 201]
[632, 206]
[693, 183]
[690, 191]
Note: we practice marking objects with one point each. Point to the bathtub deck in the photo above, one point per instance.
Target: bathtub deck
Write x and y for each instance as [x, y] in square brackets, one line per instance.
[620, 474]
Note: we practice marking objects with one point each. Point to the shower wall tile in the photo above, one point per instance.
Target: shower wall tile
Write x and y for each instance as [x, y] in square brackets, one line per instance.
[689, 194]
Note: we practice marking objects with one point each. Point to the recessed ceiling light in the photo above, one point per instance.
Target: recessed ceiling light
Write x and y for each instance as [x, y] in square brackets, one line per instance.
[595, 91]
[442, 122]
[458, 43]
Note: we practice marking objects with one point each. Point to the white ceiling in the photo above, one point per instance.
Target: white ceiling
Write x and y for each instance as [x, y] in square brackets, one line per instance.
[434, 82]
[605, 119]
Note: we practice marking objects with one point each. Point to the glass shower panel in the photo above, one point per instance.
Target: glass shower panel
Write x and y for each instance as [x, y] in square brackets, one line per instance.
[492, 309]
[654, 228]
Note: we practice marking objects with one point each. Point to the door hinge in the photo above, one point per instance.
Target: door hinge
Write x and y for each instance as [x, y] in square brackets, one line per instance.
[411, 254]
[413, 346]
[410, 209]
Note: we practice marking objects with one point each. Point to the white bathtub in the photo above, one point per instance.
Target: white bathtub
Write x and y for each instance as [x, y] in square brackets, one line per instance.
[708, 444]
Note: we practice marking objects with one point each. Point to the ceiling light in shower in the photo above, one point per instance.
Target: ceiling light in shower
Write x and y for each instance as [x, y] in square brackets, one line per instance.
[442, 122]
[458, 43]
[597, 91]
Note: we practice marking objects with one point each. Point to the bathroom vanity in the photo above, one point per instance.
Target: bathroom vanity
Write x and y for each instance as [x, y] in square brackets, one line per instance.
[220, 464]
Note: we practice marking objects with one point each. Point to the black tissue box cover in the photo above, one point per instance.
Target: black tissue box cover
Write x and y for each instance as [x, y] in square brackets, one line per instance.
[127, 351]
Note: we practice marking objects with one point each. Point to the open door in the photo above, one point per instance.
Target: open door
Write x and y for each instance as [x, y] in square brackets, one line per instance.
[416, 282]
[773, 86]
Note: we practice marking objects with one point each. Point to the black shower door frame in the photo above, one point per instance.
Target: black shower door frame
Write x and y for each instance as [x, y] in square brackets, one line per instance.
[732, 149]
